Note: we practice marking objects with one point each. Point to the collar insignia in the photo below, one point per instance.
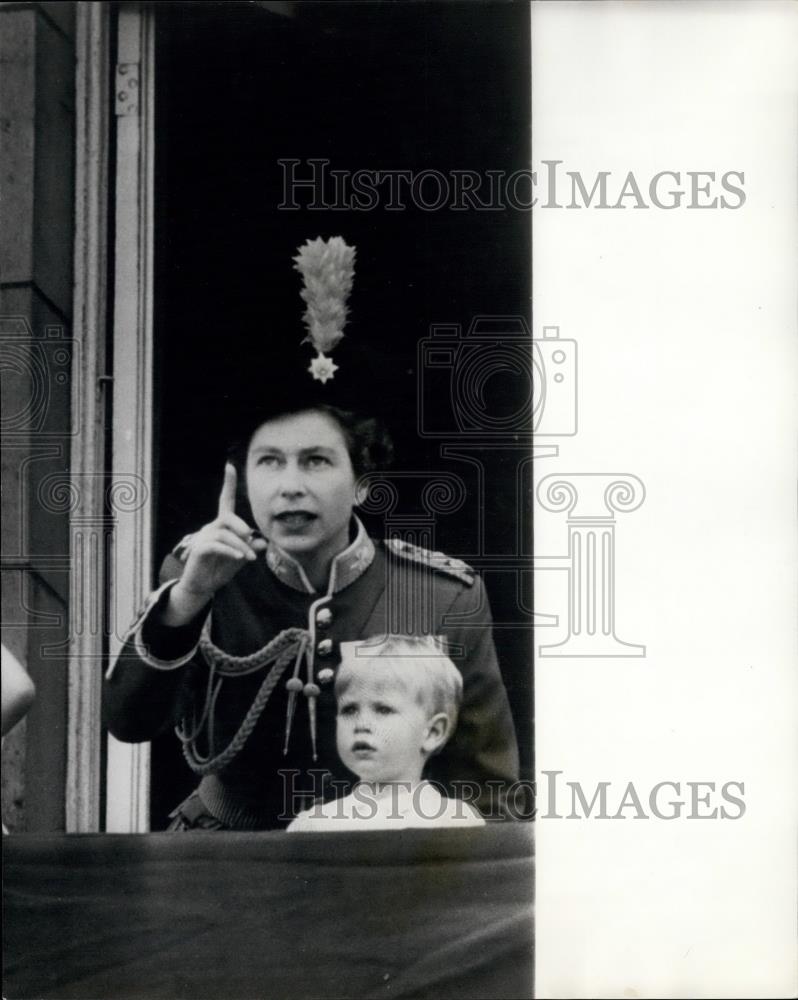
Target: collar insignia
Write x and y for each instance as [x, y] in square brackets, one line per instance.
[345, 569]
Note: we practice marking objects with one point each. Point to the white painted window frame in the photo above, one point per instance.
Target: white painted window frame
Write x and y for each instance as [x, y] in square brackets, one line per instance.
[130, 572]
[110, 523]
[88, 523]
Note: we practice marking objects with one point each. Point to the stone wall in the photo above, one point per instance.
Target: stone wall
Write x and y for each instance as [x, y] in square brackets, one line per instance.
[37, 47]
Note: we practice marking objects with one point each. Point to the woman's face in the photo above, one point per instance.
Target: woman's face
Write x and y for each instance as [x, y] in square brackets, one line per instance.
[301, 485]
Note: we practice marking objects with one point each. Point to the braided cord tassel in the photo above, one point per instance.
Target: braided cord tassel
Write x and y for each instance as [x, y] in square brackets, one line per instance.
[293, 686]
[286, 642]
[312, 692]
[238, 666]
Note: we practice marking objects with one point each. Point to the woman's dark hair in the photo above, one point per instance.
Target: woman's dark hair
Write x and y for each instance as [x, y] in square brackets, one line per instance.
[367, 441]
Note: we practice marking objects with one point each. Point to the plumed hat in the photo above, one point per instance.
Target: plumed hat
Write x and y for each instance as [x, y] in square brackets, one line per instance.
[327, 366]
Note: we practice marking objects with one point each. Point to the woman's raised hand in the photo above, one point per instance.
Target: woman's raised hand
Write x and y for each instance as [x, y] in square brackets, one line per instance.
[217, 552]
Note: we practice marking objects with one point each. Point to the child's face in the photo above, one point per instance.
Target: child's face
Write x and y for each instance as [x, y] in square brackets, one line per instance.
[383, 732]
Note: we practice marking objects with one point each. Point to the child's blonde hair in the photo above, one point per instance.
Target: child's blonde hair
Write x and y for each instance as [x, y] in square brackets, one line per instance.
[418, 662]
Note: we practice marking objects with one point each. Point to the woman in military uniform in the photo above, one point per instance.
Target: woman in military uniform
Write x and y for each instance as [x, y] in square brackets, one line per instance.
[238, 647]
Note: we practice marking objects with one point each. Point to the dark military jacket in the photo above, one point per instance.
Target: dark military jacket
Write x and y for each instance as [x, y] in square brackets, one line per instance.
[205, 677]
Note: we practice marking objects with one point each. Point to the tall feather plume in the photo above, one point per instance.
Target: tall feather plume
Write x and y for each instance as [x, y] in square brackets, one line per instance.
[327, 268]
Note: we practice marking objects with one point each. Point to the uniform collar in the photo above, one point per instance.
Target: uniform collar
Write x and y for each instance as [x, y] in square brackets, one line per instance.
[346, 567]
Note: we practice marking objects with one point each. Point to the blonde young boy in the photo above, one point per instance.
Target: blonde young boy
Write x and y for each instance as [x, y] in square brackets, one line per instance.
[397, 706]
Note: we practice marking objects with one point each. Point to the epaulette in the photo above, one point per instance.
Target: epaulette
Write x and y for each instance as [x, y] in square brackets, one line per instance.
[438, 561]
[183, 547]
